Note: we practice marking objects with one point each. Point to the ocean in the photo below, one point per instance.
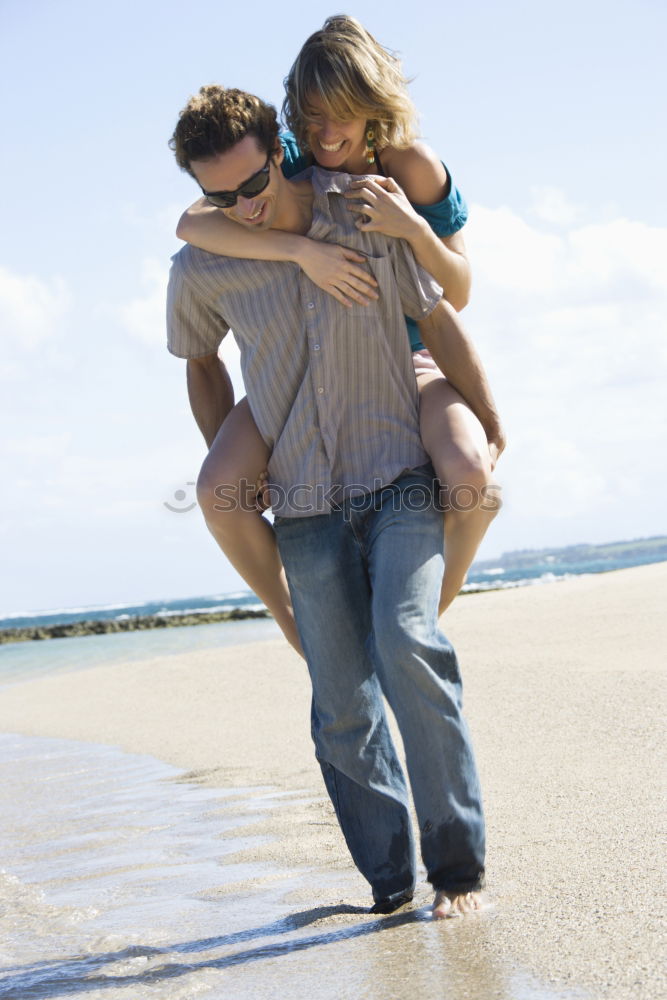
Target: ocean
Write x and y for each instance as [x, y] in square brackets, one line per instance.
[243, 599]
[515, 569]
[29, 659]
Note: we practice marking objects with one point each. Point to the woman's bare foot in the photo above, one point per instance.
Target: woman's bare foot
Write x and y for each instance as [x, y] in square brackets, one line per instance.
[445, 905]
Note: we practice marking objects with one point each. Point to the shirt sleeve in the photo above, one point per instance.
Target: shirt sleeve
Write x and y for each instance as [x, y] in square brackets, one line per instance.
[418, 291]
[293, 161]
[447, 216]
[194, 328]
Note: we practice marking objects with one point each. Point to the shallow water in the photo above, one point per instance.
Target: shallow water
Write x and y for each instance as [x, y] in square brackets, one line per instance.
[115, 884]
[25, 660]
[105, 857]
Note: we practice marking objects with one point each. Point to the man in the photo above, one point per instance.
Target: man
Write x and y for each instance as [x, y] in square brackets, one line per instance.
[332, 391]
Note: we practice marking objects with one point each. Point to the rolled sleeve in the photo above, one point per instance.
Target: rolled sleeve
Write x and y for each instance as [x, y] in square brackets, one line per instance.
[194, 328]
[447, 216]
[419, 292]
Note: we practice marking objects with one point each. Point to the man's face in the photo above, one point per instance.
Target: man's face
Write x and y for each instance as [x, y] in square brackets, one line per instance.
[229, 171]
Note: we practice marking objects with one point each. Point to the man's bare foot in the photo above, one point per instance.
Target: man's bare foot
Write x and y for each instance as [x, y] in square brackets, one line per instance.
[445, 905]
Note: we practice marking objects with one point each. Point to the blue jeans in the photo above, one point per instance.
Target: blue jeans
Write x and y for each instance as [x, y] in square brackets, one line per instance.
[365, 584]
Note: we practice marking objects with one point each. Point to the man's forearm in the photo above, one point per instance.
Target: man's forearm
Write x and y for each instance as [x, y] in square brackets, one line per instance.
[211, 394]
[452, 349]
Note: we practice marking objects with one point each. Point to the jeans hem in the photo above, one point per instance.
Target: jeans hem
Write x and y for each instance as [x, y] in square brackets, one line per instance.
[390, 903]
[460, 888]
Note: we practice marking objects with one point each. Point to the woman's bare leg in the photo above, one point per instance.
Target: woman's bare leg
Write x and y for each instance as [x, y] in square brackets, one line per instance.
[456, 443]
[226, 494]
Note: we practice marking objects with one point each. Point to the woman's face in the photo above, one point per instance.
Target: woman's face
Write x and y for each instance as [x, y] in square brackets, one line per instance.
[332, 142]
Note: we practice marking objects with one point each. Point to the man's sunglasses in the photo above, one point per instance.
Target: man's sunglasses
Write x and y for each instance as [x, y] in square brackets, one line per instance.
[253, 186]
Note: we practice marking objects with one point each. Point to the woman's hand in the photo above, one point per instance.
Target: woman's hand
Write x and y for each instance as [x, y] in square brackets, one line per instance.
[383, 207]
[337, 271]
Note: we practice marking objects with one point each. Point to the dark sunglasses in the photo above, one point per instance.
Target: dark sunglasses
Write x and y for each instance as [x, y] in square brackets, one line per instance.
[253, 186]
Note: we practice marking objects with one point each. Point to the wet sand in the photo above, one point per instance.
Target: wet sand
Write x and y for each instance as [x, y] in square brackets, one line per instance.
[563, 692]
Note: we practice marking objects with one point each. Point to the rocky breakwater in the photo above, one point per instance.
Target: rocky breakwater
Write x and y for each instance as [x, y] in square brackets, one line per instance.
[69, 630]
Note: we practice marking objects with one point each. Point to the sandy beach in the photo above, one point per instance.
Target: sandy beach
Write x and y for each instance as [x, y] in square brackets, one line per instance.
[564, 693]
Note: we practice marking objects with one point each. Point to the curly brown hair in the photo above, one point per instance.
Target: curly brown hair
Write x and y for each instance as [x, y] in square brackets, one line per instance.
[216, 119]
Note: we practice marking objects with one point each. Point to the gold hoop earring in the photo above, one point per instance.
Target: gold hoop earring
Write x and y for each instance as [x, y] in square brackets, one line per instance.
[370, 146]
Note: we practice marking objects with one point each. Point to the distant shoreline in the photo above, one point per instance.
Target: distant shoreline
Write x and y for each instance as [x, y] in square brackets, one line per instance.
[513, 569]
[135, 623]
[140, 623]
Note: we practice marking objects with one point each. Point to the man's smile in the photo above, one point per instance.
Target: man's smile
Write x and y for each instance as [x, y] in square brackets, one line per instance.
[254, 217]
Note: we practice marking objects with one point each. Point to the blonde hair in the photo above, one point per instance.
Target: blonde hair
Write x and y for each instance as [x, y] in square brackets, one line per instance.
[216, 119]
[354, 77]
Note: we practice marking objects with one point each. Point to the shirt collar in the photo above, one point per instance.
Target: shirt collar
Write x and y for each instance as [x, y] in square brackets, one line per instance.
[328, 181]
[324, 182]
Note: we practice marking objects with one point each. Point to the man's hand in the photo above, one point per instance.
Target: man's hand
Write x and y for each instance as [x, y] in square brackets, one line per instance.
[338, 271]
[263, 492]
[496, 447]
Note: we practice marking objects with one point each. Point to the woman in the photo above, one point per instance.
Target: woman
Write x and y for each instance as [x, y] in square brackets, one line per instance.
[347, 104]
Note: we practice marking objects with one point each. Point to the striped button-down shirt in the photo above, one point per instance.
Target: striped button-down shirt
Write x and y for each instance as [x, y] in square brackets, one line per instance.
[331, 388]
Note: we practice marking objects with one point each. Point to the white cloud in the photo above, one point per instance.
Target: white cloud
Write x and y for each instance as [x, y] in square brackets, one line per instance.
[31, 308]
[613, 259]
[31, 446]
[144, 317]
[571, 326]
[621, 250]
[53, 475]
[158, 224]
[556, 475]
[550, 205]
[588, 305]
[512, 255]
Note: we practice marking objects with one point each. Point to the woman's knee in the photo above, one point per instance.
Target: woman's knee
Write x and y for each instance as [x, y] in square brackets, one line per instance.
[227, 482]
[223, 492]
[465, 466]
[465, 499]
[467, 483]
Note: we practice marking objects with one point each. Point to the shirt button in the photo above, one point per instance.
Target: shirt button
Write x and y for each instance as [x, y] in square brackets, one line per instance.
[316, 347]
[311, 305]
[320, 390]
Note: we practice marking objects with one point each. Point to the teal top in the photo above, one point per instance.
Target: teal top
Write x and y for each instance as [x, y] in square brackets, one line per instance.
[294, 160]
[445, 218]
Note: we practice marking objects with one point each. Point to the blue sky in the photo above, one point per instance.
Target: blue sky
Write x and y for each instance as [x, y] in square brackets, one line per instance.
[551, 119]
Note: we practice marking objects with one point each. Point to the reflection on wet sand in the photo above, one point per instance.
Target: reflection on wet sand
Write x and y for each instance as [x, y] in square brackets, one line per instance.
[112, 869]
